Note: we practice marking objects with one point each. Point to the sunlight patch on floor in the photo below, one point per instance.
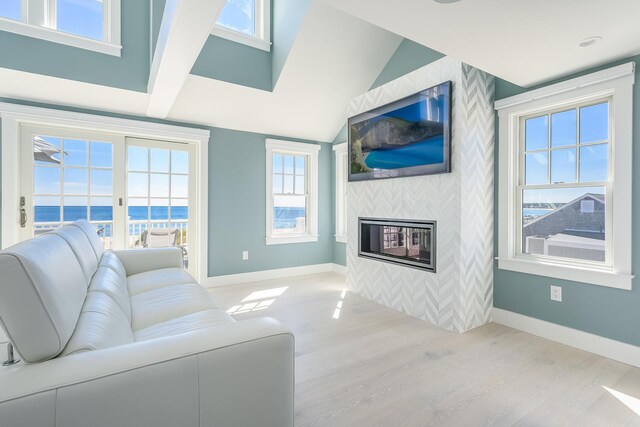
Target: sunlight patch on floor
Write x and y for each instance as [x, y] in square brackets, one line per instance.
[630, 402]
[336, 312]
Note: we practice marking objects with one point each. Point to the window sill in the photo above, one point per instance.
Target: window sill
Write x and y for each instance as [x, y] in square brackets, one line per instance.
[288, 239]
[341, 239]
[594, 276]
[244, 39]
[59, 37]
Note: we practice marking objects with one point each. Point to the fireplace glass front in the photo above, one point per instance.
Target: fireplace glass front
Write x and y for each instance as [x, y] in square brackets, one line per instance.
[410, 243]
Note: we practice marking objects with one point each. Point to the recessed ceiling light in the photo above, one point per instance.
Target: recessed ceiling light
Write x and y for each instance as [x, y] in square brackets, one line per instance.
[446, 1]
[589, 41]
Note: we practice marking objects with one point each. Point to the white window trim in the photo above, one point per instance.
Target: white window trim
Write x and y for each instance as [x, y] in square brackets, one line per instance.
[340, 151]
[299, 148]
[262, 40]
[617, 83]
[14, 116]
[40, 27]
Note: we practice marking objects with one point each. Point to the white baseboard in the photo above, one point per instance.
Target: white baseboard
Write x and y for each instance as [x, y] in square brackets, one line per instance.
[340, 269]
[612, 349]
[256, 276]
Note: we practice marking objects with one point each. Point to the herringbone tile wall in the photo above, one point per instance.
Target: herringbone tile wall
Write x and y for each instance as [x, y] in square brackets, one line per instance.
[459, 295]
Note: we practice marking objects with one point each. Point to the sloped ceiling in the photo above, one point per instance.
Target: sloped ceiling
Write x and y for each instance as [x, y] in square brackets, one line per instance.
[334, 58]
[524, 42]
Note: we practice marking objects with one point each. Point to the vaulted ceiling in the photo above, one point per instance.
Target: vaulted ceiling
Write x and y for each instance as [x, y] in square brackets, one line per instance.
[338, 50]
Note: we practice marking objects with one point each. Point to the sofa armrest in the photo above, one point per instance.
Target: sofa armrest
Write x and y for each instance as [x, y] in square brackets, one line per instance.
[141, 260]
[239, 373]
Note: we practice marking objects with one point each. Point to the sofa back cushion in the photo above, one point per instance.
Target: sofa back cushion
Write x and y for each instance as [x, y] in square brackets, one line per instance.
[42, 291]
[102, 324]
[82, 249]
[92, 234]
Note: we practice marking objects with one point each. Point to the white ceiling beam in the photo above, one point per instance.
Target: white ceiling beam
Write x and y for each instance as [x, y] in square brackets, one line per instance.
[185, 28]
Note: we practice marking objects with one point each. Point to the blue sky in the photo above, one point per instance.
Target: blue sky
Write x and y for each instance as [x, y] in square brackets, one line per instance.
[239, 15]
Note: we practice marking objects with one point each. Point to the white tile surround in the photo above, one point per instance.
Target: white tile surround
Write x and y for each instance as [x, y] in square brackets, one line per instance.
[459, 296]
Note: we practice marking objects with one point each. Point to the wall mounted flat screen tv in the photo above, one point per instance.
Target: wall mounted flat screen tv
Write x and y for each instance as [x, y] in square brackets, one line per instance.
[408, 137]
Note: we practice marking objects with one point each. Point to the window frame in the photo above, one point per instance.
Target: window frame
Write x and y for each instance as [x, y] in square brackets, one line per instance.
[341, 177]
[38, 20]
[274, 146]
[616, 84]
[262, 39]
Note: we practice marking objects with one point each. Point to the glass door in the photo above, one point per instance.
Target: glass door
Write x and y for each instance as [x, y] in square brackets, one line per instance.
[69, 176]
[158, 196]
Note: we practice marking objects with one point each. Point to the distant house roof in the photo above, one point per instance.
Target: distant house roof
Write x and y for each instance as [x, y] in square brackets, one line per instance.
[598, 197]
[577, 241]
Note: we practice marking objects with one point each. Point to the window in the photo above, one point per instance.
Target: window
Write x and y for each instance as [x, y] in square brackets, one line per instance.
[341, 191]
[292, 192]
[87, 24]
[565, 180]
[247, 22]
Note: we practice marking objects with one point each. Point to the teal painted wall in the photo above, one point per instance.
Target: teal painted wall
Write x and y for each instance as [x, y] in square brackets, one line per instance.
[286, 18]
[130, 71]
[608, 312]
[237, 167]
[237, 197]
[232, 62]
[409, 56]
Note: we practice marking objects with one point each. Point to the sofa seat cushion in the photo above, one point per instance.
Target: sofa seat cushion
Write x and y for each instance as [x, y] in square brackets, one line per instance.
[156, 279]
[168, 303]
[188, 323]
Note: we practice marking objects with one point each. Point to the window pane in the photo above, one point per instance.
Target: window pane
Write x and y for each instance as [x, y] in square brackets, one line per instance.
[289, 214]
[563, 128]
[75, 208]
[46, 209]
[277, 183]
[138, 209]
[300, 187]
[46, 150]
[594, 123]
[138, 158]
[300, 165]
[288, 165]
[594, 163]
[288, 184]
[75, 152]
[536, 133]
[10, 9]
[179, 161]
[75, 181]
[101, 209]
[159, 209]
[563, 165]
[179, 209]
[101, 182]
[179, 186]
[564, 222]
[159, 160]
[239, 15]
[80, 17]
[536, 168]
[46, 180]
[138, 185]
[159, 185]
[277, 163]
[101, 154]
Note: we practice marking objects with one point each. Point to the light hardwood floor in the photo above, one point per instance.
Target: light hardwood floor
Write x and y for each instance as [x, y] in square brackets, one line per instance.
[373, 366]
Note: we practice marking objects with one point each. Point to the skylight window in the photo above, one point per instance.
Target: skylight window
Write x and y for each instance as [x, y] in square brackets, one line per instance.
[247, 22]
[87, 24]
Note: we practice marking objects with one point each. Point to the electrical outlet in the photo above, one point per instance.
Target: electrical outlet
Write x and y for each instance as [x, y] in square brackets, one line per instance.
[556, 293]
[245, 255]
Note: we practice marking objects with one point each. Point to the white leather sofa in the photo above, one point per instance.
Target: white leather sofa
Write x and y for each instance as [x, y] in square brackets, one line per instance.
[128, 338]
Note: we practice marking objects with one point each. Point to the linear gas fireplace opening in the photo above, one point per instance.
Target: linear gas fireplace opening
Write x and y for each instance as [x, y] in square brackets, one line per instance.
[411, 243]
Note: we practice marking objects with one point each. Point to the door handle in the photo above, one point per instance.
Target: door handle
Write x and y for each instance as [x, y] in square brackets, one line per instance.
[23, 213]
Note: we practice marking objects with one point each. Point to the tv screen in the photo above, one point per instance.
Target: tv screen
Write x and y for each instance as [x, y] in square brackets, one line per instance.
[408, 137]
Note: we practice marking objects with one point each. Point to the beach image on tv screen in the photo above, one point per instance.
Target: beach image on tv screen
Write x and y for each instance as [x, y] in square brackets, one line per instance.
[412, 134]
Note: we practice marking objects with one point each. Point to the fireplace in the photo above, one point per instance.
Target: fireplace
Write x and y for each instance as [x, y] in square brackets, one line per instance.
[410, 243]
